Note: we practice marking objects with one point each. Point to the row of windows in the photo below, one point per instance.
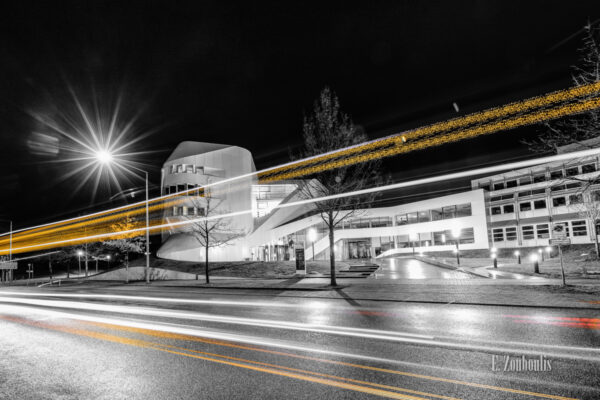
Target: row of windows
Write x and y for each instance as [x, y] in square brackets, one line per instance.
[540, 231]
[195, 169]
[436, 214]
[181, 187]
[439, 238]
[554, 174]
[357, 223]
[525, 206]
[185, 211]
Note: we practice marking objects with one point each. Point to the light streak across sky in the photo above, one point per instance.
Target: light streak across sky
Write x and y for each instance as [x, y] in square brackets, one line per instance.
[107, 233]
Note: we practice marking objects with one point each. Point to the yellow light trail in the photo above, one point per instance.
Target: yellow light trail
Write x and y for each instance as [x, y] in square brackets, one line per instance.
[100, 224]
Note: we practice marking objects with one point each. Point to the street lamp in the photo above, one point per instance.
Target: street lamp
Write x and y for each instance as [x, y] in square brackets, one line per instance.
[312, 237]
[79, 254]
[536, 266]
[541, 254]
[495, 258]
[105, 157]
[549, 251]
[456, 234]
[518, 255]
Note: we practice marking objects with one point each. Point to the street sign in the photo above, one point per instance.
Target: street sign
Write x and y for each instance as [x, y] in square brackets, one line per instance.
[300, 263]
[560, 242]
[559, 231]
[8, 265]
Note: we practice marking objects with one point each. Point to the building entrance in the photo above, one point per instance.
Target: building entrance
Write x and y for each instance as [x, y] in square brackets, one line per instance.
[359, 249]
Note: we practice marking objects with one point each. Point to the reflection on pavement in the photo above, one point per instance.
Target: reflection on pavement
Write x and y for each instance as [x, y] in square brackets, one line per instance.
[409, 268]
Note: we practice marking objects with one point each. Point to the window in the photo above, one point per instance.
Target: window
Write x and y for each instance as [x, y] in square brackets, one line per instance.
[507, 196]
[496, 210]
[528, 232]
[586, 169]
[579, 228]
[200, 211]
[543, 231]
[557, 188]
[381, 222]
[403, 241]
[412, 218]
[525, 206]
[463, 210]
[424, 216]
[449, 212]
[511, 184]
[497, 235]
[484, 186]
[199, 170]
[525, 181]
[436, 214]
[179, 169]
[189, 169]
[538, 191]
[539, 178]
[180, 188]
[172, 169]
[572, 171]
[539, 204]
[575, 199]
[467, 236]
[401, 219]
[566, 228]
[573, 185]
[509, 208]
[558, 174]
[496, 198]
[525, 194]
[439, 238]
[499, 186]
[559, 201]
[511, 234]
[595, 195]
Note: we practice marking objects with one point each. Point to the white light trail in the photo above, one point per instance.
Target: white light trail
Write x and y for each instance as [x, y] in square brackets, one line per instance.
[417, 182]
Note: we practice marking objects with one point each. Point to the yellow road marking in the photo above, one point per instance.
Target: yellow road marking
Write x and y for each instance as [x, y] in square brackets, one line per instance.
[177, 336]
[157, 346]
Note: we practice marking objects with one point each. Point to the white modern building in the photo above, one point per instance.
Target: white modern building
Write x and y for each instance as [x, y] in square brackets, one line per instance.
[516, 209]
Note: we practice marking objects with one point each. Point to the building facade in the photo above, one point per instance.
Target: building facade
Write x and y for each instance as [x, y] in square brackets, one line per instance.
[515, 209]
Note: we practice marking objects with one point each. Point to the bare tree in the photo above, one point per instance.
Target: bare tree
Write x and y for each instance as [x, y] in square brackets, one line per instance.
[208, 227]
[581, 127]
[128, 242]
[326, 129]
[588, 207]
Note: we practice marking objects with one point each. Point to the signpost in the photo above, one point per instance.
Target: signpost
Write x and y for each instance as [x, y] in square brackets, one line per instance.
[300, 262]
[559, 234]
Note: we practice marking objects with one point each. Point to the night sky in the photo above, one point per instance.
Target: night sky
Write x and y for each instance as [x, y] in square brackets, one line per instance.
[244, 74]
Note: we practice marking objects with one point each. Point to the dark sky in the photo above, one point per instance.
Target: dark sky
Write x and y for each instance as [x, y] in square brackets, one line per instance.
[245, 74]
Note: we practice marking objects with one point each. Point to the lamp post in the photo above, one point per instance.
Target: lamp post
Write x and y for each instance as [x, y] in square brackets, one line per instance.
[79, 254]
[495, 258]
[536, 266]
[105, 157]
[456, 234]
[312, 237]
[518, 255]
[549, 251]
[541, 254]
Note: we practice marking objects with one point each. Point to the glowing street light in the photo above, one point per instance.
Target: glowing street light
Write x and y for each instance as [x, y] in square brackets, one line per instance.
[541, 254]
[311, 235]
[549, 250]
[495, 258]
[79, 254]
[105, 157]
[536, 266]
[518, 255]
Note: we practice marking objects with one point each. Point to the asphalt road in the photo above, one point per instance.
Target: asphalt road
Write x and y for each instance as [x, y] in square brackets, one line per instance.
[410, 268]
[97, 342]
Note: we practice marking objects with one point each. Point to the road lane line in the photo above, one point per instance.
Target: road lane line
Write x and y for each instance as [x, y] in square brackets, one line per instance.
[177, 336]
[155, 346]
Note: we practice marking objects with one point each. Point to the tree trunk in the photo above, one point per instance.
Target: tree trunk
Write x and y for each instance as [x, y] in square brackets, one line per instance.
[206, 265]
[596, 240]
[331, 250]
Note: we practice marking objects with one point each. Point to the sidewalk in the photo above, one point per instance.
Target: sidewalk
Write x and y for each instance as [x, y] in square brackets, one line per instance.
[472, 292]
